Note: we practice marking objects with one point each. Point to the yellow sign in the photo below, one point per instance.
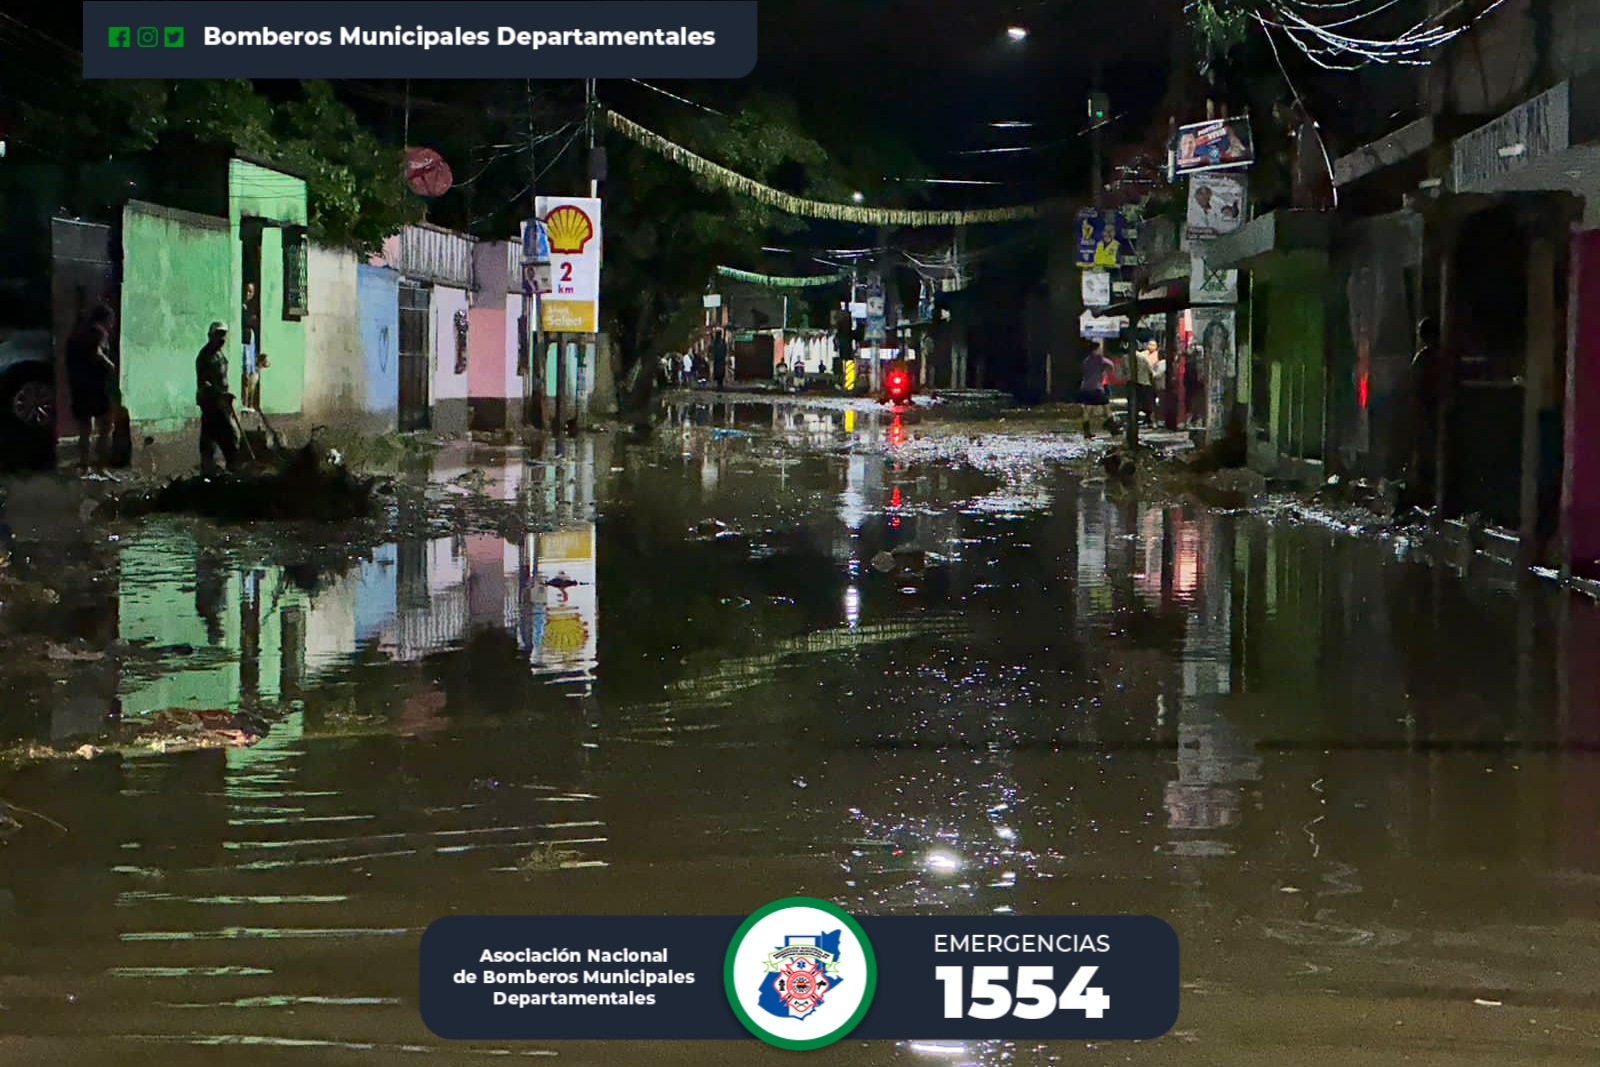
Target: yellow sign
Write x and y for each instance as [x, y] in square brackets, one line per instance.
[567, 316]
[573, 545]
[849, 375]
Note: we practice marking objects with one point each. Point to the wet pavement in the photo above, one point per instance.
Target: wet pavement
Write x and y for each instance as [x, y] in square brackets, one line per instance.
[783, 649]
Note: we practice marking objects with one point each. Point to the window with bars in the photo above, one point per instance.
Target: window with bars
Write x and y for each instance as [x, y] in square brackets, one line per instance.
[296, 250]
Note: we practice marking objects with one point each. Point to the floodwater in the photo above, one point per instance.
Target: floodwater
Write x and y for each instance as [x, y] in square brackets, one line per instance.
[1365, 790]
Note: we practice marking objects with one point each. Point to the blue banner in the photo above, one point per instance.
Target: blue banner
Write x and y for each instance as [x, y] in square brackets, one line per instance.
[1105, 239]
[798, 974]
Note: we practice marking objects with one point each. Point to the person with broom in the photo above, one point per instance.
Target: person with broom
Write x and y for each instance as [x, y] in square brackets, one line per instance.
[215, 402]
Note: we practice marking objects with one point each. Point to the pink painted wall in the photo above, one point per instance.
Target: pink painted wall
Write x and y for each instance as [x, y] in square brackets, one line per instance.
[513, 380]
[486, 360]
[492, 351]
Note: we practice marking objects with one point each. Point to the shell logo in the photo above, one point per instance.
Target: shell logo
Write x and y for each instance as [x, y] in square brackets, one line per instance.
[569, 228]
[565, 633]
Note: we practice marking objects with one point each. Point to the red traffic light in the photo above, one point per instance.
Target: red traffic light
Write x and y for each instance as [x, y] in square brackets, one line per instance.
[899, 384]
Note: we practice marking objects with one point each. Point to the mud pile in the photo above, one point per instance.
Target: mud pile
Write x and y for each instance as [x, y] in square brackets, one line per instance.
[303, 485]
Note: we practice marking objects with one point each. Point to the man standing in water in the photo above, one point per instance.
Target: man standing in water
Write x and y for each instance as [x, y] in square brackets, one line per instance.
[215, 402]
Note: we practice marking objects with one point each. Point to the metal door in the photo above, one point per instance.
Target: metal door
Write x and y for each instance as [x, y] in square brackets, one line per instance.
[415, 364]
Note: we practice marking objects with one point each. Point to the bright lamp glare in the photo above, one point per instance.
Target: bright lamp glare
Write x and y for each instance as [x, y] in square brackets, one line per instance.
[1017, 33]
[857, 197]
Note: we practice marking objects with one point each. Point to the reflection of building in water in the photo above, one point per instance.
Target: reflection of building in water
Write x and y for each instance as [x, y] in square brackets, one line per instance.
[250, 628]
[1099, 524]
[173, 595]
[1213, 759]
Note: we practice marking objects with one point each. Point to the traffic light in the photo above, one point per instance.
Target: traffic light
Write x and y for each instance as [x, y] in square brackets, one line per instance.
[1099, 107]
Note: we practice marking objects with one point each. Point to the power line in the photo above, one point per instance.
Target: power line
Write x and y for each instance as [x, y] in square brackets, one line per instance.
[675, 96]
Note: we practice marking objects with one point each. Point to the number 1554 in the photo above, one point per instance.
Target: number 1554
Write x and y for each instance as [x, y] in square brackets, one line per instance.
[991, 996]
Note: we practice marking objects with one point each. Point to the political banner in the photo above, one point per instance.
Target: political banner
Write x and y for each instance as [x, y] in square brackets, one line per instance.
[1101, 327]
[1105, 239]
[1214, 145]
[1096, 288]
[1214, 332]
[1207, 286]
[1217, 205]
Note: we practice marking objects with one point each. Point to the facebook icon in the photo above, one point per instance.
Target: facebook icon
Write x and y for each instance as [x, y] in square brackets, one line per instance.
[117, 37]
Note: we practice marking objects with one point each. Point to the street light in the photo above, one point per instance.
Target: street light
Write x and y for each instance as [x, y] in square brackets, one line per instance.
[1017, 33]
[858, 197]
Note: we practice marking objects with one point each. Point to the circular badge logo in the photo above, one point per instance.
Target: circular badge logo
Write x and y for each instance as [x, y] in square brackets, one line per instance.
[800, 973]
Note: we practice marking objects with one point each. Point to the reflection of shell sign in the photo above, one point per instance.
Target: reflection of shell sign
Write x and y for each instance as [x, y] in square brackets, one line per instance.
[565, 634]
[570, 229]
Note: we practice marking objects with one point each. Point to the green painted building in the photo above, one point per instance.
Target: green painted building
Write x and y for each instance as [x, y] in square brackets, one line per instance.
[1286, 257]
[182, 270]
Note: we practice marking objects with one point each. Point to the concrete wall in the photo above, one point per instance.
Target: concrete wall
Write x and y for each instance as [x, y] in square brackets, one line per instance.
[378, 298]
[256, 192]
[449, 387]
[1494, 67]
[180, 270]
[335, 374]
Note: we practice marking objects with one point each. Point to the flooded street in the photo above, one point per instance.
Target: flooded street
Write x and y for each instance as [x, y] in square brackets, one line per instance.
[789, 650]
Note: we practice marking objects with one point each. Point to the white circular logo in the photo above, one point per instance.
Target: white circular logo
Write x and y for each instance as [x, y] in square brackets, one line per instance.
[800, 973]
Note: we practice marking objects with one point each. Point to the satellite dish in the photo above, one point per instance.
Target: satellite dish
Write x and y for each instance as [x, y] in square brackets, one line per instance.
[427, 173]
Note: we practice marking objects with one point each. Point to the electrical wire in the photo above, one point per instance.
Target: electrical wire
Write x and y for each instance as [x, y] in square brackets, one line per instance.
[675, 96]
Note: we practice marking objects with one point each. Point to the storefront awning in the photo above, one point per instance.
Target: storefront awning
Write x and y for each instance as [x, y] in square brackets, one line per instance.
[1409, 140]
[1277, 231]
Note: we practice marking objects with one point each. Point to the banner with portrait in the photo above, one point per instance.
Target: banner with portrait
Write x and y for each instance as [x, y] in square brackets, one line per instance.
[1215, 145]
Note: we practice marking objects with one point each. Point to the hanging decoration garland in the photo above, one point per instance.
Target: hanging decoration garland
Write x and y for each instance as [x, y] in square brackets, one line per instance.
[772, 282]
[816, 209]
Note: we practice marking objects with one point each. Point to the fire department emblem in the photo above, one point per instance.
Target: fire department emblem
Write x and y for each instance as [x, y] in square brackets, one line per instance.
[800, 974]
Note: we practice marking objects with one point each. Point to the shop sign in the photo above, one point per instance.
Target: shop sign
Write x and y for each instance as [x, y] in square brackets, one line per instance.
[1540, 127]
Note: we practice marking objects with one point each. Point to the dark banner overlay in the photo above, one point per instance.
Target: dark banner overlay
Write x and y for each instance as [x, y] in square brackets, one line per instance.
[676, 978]
[419, 39]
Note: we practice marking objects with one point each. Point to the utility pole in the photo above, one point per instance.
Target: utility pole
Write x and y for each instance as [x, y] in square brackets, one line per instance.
[1096, 175]
[537, 356]
[1099, 113]
[589, 112]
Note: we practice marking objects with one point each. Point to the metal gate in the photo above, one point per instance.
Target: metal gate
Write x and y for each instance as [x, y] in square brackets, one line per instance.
[415, 365]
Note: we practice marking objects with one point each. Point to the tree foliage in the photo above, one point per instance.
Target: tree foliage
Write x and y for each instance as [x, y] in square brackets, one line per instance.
[354, 184]
[1220, 27]
[668, 230]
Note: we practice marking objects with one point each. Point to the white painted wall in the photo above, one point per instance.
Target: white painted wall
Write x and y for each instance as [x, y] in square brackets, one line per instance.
[447, 384]
[334, 370]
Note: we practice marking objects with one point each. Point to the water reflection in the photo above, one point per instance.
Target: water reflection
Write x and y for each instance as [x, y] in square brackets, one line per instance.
[1340, 774]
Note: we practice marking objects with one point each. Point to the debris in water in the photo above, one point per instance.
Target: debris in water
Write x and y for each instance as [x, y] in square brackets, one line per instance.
[548, 857]
[1480, 1002]
[301, 485]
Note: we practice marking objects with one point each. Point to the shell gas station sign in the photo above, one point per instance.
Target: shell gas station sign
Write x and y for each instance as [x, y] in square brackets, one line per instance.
[573, 227]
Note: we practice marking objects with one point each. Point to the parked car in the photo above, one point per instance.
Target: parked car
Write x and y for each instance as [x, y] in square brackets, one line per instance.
[27, 396]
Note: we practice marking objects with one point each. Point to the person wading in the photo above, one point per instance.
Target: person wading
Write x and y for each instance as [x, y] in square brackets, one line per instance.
[1092, 389]
[215, 402]
[91, 377]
